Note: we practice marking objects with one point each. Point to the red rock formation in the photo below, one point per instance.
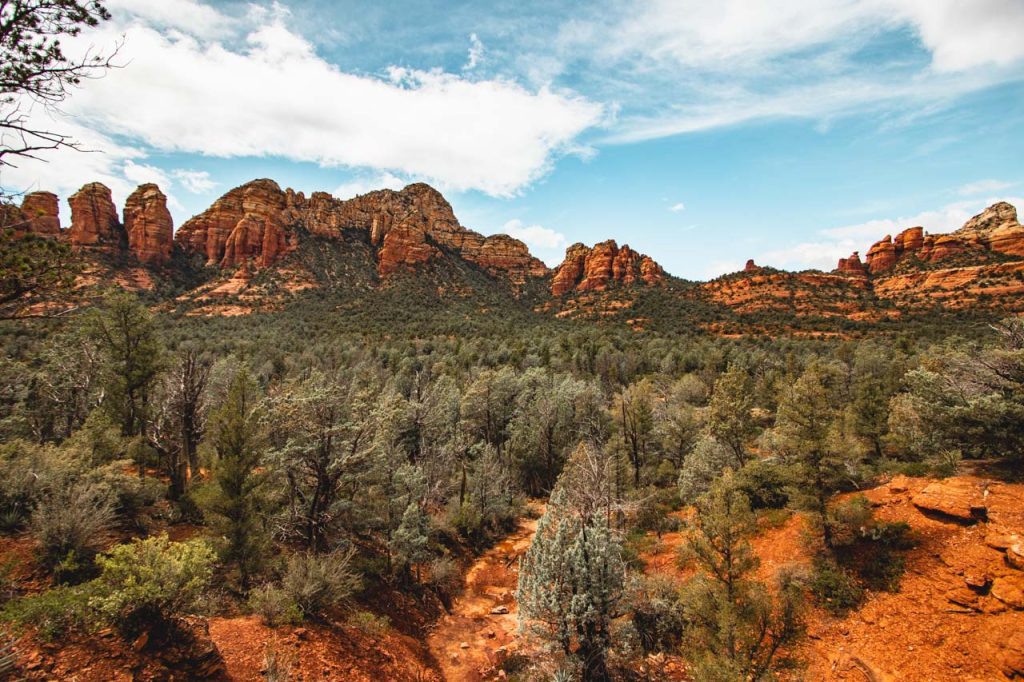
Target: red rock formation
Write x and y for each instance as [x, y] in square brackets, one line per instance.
[245, 223]
[425, 218]
[909, 240]
[94, 221]
[751, 266]
[852, 266]
[41, 210]
[402, 247]
[882, 255]
[604, 265]
[996, 228]
[148, 224]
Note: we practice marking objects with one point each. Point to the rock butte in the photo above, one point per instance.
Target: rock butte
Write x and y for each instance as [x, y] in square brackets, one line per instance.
[604, 265]
[255, 222]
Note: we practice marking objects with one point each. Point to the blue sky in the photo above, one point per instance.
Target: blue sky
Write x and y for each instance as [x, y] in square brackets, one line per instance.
[788, 131]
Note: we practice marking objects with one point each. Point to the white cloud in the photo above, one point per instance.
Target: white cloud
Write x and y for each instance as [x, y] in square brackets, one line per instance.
[983, 187]
[368, 183]
[196, 182]
[476, 53]
[190, 16]
[676, 208]
[548, 243]
[690, 65]
[274, 96]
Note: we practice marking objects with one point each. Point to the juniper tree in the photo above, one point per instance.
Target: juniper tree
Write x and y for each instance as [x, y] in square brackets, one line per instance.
[571, 580]
[324, 428]
[807, 434]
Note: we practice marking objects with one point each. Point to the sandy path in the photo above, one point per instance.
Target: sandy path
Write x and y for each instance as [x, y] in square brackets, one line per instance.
[480, 631]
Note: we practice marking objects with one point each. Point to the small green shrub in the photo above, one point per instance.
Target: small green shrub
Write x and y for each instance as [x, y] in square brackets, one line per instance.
[70, 524]
[765, 484]
[274, 606]
[53, 612]
[370, 623]
[150, 581]
[317, 583]
[836, 588]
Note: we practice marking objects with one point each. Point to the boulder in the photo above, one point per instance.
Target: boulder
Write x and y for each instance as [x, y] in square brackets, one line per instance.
[1015, 556]
[958, 499]
[1009, 590]
[148, 224]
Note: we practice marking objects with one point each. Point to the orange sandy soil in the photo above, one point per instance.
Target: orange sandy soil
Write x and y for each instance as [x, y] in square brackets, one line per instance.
[917, 634]
[319, 652]
[480, 631]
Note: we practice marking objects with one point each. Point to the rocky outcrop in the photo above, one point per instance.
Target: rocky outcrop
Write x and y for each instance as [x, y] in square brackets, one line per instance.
[41, 211]
[852, 266]
[996, 228]
[94, 220]
[148, 224]
[603, 266]
[751, 266]
[246, 223]
[402, 247]
[255, 222]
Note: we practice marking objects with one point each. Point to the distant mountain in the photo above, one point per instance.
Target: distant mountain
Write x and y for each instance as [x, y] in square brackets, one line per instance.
[259, 247]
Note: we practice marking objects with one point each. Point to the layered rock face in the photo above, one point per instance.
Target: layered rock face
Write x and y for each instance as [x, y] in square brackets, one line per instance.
[148, 224]
[604, 265]
[408, 227]
[239, 226]
[997, 228]
[94, 220]
[41, 211]
[994, 229]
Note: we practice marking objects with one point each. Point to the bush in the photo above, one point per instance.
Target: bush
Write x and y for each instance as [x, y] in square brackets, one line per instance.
[151, 581]
[370, 623]
[274, 606]
[836, 588]
[445, 576]
[658, 615]
[53, 612]
[765, 484]
[316, 583]
[69, 525]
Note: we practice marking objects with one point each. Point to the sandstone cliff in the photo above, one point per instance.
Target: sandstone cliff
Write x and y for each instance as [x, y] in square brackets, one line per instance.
[256, 222]
[41, 211]
[148, 224]
[94, 220]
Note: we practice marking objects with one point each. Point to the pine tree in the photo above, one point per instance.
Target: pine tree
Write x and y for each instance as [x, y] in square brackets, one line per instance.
[239, 439]
[729, 416]
[733, 623]
[410, 541]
